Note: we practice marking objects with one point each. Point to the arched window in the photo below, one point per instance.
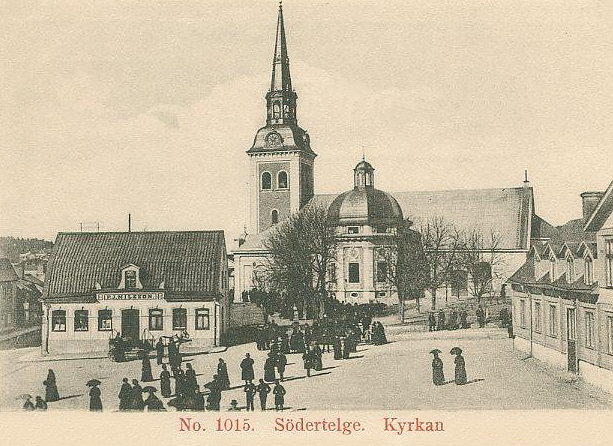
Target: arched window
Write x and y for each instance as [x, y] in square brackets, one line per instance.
[276, 110]
[274, 217]
[266, 181]
[282, 179]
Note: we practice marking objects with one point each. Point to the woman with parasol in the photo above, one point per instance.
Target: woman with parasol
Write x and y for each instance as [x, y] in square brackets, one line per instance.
[95, 403]
[51, 393]
[153, 403]
[460, 368]
[438, 377]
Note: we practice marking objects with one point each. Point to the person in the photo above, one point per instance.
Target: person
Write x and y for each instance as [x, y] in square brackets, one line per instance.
[285, 343]
[250, 390]
[222, 373]
[317, 355]
[180, 382]
[153, 403]
[453, 320]
[40, 404]
[51, 393]
[159, 351]
[344, 348]
[337, 348]
[27, 405]
[136, 397]
[438, 375]
[172, 353]
[441, 320]
[279, 393]
[480, 316]
[263, 391]
[164, 382]
[119, 348]
[95, 403]
[431, 321]
[214, 398]
[190, 378]
[124, 395]
[463, 318]
[307, 358]
[234, 406]
[281, 363]
[198, 399]
[460, 368]
[247, 373]
[382, 337]
[269, 369]
[146, 375]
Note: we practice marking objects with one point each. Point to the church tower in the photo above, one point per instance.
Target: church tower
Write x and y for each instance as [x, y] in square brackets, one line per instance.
[281, 159]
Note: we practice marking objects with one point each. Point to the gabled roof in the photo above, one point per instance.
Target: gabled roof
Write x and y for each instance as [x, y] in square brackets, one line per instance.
[602, 212]
[188, 262]
[589, 247]
[572, 247]
[7, 272]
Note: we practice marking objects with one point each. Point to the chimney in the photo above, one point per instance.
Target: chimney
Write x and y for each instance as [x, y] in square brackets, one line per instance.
[590, 201]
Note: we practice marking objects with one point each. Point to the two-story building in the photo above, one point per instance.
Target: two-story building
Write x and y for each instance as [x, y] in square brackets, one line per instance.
[562, 297]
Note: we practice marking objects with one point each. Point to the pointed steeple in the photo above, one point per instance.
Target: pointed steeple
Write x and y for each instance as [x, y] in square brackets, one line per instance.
[281, 98]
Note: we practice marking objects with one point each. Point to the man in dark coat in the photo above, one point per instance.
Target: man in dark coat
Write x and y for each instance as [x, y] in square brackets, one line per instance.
[480, 317]
[307, 358]
[159, 351]
[281, 363]
[269, 368]
[198, 399]
[431, 321]
[279, 392]
[247, 373]
[124, 395]
[263, 391]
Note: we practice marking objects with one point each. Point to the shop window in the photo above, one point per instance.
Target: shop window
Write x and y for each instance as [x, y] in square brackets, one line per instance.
[381, 271]
[282, 180]
[105, 320]
[266, 181]
[156, 319]
[81, 320]
[58, 320]
[354, 272]
[553, 320]
[202, 319]
[179, 318]
[589, 329]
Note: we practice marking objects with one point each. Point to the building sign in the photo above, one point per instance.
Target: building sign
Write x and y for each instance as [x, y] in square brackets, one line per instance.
[130, 296]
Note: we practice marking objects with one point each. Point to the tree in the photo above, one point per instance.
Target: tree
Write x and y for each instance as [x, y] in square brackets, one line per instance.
[301, 249]
[441, 241]
[406, 265]
[479, 256]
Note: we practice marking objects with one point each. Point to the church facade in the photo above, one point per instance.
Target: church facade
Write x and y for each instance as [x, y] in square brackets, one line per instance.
[281, 182]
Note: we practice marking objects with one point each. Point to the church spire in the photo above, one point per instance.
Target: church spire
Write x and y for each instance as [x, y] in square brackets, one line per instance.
[281, 98]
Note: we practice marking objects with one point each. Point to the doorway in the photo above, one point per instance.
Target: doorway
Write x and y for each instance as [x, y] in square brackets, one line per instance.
[130, 327]
[571, 340]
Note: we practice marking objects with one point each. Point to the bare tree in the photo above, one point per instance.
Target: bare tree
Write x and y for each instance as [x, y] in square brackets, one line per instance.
[301, 250]
[441, 241]
[406, 266]
[479, 256]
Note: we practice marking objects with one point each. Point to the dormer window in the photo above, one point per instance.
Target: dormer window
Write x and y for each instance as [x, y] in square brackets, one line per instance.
[130, 278]
[570, 269]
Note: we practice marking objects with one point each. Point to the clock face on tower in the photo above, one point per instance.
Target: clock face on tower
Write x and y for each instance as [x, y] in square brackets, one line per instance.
[273, 140]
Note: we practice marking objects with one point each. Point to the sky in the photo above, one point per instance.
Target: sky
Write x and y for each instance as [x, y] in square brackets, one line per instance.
[109, 108]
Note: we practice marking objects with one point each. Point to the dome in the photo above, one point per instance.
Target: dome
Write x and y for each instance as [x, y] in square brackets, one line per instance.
[364, 204]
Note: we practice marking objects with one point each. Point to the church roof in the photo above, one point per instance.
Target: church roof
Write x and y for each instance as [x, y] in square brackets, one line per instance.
[188, 262]
[364, 206]
[501, 210]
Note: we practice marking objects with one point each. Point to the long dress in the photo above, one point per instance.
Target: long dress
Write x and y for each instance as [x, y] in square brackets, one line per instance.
[317, 354]
[279, 392]
[269, 370]
[124, 396]
[247, 373]
[146, 375]
[154, 404]
[95, 403]
[51, 393]
[165, 384]
[136, 398]
[438, 376]
[222, 375]
[190, 379]
[460, 370]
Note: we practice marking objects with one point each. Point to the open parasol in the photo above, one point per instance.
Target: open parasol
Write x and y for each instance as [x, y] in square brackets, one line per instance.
[456, 351]
[93, 382]
[149, 389]
[436, 351]
[24, 396]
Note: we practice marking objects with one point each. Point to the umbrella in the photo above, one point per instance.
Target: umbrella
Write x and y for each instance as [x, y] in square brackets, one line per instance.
[149, 389]
[24, 396]
[456, 351]
[436, 351]
[93, 382]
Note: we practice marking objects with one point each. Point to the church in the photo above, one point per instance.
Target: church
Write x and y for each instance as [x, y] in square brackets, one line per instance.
[281, 182]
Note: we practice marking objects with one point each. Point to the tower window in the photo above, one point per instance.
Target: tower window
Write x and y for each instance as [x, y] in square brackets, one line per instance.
[276, 110]
[274, 217]
[282, 179]
[266, 181]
